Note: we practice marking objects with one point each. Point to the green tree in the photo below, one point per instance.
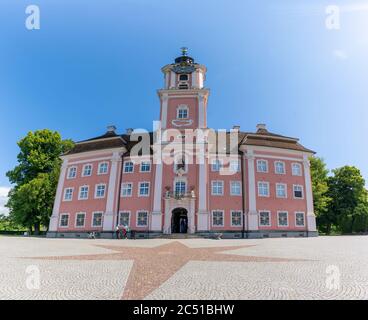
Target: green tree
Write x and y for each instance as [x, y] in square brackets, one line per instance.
[35, 178]
[348, 196]
[321, 200]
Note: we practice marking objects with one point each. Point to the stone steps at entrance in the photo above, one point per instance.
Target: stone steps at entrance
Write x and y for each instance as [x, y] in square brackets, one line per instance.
[180, 236]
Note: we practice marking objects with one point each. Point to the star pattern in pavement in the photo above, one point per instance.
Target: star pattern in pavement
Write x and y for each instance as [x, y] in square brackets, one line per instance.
[153, 266]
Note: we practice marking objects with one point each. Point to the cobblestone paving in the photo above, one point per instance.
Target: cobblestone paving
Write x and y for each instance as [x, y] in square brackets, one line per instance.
[303, 274]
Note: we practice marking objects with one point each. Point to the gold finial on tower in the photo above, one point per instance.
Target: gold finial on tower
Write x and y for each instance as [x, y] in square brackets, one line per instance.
[184, 51]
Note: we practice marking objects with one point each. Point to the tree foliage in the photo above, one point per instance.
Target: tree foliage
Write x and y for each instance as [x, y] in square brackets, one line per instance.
[35, 178]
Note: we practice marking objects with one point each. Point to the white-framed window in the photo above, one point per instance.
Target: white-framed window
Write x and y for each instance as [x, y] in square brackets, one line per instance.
[97, 219]
[281, 190]
[236, 218]
[72, 173]
[68, 194]
[296, 169]
[263, 189]
[282, 218]
[64, 220]
[235, 188]
[124, 218]
[126, 189]
[298, 191]
[83, 192]
[217, 188]
[128, 167]
[234, 165]
[180, 187]
[80, 219]
[100, 191]
[143, 189]
[265, 218]
[280, 167]
[299, 219]
[182, 112]
[262, 165]
[103, 168]
[217, 218]
[142, 218]
[216, 165]
[87, 170]
[145, 166]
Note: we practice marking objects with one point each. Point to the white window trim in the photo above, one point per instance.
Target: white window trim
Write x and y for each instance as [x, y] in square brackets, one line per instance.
[140, 167]
[182, 107]
[298, 185]
[129, 214]
[139, 189]
[234, 194]
[217, 194]
[231, 218]
[223, 218]
[286, 192]
[300, 167]
[96, 186]
[238, 166]
[221, 164]
[181, 179]
[64, 214]
[99, 165]
[275, 165]
[87, 164]
[295, 213]
[93, 217]
[258, 160]
[79, 192]
[68, 200]
[84, 220]
[121, 192]
[269, 191]
[269, 218]
[124, 165]
[287, 215]
[136, 219]
[76, 172]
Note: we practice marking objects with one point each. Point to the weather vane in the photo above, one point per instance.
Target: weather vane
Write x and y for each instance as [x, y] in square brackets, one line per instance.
[184, 51]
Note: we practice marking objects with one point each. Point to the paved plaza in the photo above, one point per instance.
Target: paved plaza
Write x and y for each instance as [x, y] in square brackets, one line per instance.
[293, 268]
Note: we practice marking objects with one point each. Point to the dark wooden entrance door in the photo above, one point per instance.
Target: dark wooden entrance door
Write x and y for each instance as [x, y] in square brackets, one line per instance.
[179, 221]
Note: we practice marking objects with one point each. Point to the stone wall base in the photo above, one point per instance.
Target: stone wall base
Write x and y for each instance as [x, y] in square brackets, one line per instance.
[208, 234]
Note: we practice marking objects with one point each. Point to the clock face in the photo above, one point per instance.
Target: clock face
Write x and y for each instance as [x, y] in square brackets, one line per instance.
[184, 69]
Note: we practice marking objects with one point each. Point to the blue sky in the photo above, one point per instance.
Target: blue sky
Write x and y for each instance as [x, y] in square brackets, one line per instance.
[95, 63]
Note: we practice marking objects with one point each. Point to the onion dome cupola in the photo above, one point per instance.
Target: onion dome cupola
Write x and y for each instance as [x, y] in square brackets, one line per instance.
[184, 73]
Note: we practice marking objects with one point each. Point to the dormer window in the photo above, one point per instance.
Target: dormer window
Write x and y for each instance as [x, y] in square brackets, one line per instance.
[183, 77]
[182, 112]
[183, 81]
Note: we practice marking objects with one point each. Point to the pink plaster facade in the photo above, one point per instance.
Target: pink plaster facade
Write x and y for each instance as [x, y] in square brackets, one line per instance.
[159, 198]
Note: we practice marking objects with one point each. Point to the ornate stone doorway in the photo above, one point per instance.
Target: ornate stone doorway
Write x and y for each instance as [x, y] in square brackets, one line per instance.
[179, 221]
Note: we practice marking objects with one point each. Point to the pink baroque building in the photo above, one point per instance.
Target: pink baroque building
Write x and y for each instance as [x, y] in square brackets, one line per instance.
[240, 184]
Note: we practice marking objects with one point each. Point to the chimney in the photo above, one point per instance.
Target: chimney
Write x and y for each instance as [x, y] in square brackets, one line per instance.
[111, 128]
[261, 126]
[129, 131]
[236, 128]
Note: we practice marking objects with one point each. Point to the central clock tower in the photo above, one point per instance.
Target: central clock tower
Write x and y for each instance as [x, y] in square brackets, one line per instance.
[184, 97]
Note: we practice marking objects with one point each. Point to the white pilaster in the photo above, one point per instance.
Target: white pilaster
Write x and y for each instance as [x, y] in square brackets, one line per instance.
[54, 220]
[108, 221]
[172, 79]
[201, 112]
[195, 79]
[311, 218]
[156, 223]
[252, 215]
[203, 216]
[164, 107]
